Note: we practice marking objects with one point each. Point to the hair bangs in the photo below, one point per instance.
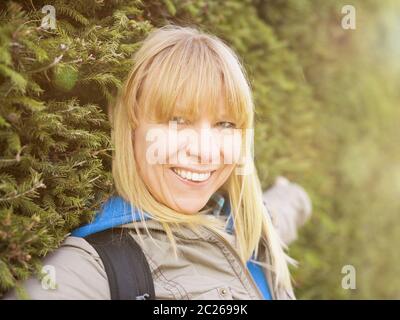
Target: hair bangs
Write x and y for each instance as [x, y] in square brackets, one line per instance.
[188, 77]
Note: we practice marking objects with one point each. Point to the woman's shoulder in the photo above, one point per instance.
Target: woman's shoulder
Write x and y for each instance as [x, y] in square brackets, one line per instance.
[73, 271]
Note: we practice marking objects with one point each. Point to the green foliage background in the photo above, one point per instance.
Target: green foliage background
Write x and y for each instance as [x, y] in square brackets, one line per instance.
[327, 117]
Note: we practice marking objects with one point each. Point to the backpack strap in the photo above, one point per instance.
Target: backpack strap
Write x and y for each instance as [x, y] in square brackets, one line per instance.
[127, 269]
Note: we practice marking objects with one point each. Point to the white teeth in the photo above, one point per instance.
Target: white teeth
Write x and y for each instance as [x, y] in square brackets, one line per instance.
[193, 176]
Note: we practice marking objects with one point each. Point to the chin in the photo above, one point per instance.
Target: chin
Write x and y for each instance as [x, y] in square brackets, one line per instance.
[190, 210]
[190, 207]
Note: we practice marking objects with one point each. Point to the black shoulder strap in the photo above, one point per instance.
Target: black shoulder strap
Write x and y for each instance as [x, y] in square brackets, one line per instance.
[128, 272]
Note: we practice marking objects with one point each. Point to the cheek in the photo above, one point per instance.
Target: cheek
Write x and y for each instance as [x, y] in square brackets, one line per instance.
[146, 160]
[231, 148]
[160, 146]
[148, 171]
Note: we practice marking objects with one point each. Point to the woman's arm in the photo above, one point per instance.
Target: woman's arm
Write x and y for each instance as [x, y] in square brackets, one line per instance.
[289, 206]
[77, 271]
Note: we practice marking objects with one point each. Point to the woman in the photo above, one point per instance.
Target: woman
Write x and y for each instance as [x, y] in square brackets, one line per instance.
[186, 183]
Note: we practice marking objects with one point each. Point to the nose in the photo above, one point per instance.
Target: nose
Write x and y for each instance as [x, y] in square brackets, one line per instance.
[206, 148]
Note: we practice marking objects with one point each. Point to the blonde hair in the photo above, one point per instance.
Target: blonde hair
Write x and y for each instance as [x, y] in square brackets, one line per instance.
[183, 63]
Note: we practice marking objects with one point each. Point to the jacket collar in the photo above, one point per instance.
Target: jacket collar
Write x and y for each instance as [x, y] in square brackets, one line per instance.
[116, 212]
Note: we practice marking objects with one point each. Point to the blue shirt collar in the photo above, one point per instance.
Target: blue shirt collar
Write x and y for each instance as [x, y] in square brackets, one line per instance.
[116, 211]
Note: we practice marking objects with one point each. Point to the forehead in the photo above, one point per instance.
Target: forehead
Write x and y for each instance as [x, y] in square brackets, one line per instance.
[215, 108]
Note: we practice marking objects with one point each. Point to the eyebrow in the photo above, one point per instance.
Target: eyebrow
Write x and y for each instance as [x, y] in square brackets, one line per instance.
[180, 110]
[224, 115]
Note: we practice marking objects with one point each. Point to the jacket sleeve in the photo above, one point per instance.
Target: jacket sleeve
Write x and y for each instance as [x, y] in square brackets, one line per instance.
[289, 206]
[73, 271]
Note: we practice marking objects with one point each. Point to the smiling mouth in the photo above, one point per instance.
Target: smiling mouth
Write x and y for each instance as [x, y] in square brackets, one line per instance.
[192, 176]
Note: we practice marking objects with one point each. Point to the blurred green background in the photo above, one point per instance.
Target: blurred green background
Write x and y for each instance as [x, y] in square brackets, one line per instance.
[327, 104]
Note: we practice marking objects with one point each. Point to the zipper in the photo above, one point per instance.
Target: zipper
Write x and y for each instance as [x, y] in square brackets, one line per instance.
[247, 272]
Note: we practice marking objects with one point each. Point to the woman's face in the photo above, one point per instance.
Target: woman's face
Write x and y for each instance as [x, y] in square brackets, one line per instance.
[184, 162]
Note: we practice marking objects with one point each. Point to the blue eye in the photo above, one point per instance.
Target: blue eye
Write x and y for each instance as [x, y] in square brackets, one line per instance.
[179, 120]
[226, 125]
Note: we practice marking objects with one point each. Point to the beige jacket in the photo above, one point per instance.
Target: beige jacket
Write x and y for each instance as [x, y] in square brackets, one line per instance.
[208, 267]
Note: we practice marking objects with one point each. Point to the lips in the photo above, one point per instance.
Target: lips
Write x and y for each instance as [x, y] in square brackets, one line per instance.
[192, 175]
